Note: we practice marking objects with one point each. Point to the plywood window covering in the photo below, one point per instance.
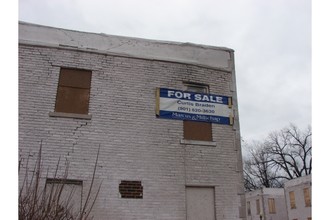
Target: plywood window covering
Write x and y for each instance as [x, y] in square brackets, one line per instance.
[195, 130]
[248, 208]
[258, 206]
[73, 91]
[271, 206]
[307, 197]
[292, 200]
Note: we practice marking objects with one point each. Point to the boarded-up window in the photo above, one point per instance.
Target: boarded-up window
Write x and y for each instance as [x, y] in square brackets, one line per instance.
[64, 193]
[307, 197]
[248, 206]
[195, 130]
[197, 88]
[131, 189]
[271, 206]
[73, 91]
[258, 206]
[200, 203]
[292, 200]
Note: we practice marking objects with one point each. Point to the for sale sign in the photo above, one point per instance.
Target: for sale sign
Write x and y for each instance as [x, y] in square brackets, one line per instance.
[183, 105]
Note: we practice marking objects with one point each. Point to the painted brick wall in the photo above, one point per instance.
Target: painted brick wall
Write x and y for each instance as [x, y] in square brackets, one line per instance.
[297, 186]
[134, 144]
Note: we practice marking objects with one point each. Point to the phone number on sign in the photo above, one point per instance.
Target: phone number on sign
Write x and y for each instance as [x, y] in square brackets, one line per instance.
[196, 110]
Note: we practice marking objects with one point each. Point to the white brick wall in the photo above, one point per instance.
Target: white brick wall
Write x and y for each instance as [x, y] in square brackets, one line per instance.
[297, 186]
[263, 195]
[135, 145]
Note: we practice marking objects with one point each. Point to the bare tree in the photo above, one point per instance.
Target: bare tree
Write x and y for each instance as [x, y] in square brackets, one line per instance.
[291, 151]
[36, 202]
[258, 169]
[283, 155]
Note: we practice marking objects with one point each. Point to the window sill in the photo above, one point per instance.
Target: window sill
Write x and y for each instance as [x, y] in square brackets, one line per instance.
[70, 115]
[194, 142]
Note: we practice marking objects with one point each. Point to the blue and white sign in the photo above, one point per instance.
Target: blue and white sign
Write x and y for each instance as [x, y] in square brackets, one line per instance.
[183, 105]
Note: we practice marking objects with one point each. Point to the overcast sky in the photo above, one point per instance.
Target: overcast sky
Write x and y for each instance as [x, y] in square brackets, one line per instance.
[271, 39]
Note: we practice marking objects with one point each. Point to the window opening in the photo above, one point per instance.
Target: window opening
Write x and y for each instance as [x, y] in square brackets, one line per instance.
[195, 130]
[73, 91]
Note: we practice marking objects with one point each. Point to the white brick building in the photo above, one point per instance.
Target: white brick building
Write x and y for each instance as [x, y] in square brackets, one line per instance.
[266, 204]
[113, 81]
[293, 202]
[298, 194]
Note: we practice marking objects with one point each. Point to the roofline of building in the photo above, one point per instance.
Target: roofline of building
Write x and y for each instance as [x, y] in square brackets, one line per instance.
[144, 39]
[298, 181]
[188, 53]
[265, 191]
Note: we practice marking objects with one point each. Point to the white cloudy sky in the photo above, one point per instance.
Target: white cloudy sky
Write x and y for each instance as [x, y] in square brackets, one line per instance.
[271, 39]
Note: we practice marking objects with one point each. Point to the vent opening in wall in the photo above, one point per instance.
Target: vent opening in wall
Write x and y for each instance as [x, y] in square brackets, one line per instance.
[129, 189]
